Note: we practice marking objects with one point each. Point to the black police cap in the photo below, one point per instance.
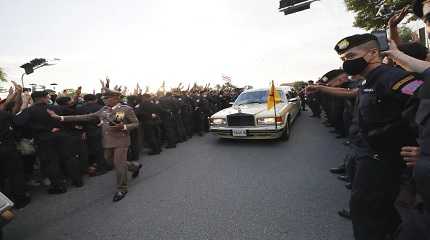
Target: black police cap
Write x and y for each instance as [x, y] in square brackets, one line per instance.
[331, 75]
[90, 97]
[39, 94]
[353, 41]
[111, 93]
[63, 100]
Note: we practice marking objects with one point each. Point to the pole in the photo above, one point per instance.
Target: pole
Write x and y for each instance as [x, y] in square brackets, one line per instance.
[274, 103]
[22, 80]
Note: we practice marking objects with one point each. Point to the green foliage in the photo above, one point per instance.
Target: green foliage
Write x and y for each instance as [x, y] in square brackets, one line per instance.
[405, 34]
[2, 75]
[366, 10]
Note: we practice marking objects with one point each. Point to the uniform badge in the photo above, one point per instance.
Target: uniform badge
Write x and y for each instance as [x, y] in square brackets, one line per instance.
[119, 116]
[342, 45]
[325, 79]
[410, 88]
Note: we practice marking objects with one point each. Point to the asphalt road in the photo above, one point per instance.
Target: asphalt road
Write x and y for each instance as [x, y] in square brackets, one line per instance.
[207, 188]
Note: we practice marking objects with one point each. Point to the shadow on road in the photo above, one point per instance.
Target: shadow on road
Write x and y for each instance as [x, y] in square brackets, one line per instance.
[248, 142]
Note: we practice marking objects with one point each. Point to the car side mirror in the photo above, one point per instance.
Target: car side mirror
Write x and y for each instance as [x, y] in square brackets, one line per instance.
[231, 103]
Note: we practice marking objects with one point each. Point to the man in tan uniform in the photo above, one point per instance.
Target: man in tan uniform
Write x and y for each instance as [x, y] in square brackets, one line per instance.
[117, 120]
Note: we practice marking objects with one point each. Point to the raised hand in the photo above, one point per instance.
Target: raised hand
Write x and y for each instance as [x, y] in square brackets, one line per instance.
[392, 52]
[78, 91]
[18, 87]
[107, 82]
[398, 17]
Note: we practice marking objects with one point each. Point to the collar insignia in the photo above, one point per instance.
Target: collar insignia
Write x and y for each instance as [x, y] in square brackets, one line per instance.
[325, 79]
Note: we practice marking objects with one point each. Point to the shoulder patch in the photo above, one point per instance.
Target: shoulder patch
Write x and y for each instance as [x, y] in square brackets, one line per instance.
[411, 87]
[402, 82]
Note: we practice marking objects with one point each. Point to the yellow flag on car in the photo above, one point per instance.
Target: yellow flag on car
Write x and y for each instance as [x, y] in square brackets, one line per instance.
[273, 97]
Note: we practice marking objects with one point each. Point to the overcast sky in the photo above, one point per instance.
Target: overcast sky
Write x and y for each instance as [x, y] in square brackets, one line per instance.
[148, 41]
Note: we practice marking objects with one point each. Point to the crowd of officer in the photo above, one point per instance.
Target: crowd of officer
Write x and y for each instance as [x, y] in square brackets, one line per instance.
[38, 149]
[379, 104]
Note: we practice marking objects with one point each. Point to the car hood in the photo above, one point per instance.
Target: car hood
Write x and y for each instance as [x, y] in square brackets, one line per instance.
[259, 110]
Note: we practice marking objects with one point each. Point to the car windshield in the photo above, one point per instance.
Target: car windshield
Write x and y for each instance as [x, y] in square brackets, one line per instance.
[254, 97]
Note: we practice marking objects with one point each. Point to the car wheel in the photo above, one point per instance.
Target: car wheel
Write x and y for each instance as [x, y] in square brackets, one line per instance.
[287, 131]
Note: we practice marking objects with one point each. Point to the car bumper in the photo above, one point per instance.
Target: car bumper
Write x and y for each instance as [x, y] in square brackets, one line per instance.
[257, 133]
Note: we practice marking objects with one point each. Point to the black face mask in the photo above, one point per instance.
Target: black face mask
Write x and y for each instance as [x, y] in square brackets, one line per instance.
[355, 66]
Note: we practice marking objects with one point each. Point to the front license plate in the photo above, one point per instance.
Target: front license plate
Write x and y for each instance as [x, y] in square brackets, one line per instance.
[239, 132]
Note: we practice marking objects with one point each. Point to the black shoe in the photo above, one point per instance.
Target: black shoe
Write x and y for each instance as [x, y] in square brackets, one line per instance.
[78, 183]
[100, 172]
[136, 173]
[345, 214]
[338, 170]
[171, 146]
[343, 178]
[118, 196]
[57, 190]
[348, 186]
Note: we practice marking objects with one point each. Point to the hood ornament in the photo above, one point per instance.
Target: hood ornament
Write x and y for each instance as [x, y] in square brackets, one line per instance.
[239, 110]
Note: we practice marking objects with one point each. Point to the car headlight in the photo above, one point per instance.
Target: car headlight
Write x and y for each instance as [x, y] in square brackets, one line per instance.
[269, 121]
[218, 121]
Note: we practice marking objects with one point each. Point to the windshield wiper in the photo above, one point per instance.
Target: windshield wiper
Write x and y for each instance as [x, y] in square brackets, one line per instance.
[250, 102]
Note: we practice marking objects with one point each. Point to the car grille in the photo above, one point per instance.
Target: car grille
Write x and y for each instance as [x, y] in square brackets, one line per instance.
[240, 119]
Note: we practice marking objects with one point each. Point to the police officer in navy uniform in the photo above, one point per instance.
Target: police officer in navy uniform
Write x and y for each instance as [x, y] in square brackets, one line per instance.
[149, 114]
[73, 133]
[50, 139]
[93, 134]
[313, 102]
[168, 117]
[382, 99]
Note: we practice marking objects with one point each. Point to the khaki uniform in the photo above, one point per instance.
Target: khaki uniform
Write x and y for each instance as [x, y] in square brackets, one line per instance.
[115, 142]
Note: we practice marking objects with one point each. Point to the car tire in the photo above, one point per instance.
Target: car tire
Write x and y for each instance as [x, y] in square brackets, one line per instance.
[287, 131]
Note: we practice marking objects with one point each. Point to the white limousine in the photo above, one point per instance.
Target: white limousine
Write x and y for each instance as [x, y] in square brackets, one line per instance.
[249, 118]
